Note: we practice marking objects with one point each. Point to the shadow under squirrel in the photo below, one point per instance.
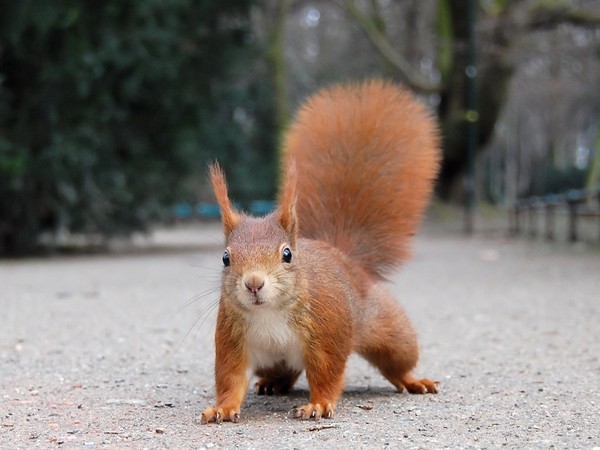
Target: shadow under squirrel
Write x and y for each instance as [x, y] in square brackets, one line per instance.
[302, 288]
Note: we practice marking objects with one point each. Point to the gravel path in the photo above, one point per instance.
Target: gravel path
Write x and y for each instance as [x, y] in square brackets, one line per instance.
[116, 351]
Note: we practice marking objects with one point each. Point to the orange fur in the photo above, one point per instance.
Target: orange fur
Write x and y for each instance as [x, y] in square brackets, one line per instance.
[367, 155]
[229, 216]
[287, 204]
[302, 287]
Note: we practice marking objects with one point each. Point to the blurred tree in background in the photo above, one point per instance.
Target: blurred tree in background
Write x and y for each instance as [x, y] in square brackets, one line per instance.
[107, 107]
[538, 72]
[110, 110]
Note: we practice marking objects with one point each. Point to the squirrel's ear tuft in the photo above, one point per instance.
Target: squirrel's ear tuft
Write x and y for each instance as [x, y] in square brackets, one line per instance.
[229, 216]
[287, 203]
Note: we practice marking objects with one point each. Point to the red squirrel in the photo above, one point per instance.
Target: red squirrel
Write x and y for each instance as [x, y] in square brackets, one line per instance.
[302, 288]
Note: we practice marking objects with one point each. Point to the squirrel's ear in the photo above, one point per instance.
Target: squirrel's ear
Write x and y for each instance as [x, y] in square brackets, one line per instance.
[229, 216]
[286, 211]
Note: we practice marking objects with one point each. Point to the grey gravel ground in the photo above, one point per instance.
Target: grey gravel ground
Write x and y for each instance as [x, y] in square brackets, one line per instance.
[115, 351]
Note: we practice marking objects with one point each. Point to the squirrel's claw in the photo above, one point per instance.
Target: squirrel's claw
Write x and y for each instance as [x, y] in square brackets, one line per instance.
[218, 415]
[422, 386]
[312, 411]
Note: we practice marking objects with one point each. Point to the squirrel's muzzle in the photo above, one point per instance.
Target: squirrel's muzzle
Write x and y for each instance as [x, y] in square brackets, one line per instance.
[254, 283]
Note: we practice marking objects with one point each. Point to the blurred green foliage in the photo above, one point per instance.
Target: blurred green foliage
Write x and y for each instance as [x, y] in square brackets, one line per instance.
[107, 108]
[556, 180]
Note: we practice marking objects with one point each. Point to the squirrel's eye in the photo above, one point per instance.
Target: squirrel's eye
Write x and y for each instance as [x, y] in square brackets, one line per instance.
[286, 255]
[226, 259]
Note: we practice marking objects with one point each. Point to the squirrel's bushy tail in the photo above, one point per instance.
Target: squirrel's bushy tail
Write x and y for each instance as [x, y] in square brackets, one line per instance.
[367, 155]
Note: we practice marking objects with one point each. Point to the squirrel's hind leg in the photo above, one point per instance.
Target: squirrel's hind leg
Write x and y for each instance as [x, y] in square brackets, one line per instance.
[393, 365]
[388, 341]
[277, 380]
[415, 385]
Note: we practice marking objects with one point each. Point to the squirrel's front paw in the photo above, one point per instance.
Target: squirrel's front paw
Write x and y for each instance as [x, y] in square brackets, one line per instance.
[312, 410]
[220, 414]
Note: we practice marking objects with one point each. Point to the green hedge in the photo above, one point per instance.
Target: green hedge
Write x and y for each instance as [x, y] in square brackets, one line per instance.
[107, 108]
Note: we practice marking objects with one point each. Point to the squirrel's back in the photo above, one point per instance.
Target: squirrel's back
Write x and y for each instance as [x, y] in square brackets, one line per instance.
[366, 155]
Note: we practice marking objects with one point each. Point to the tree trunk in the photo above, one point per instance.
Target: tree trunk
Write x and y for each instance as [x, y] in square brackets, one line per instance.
[493, 79]
[593, 180]
[277, 15]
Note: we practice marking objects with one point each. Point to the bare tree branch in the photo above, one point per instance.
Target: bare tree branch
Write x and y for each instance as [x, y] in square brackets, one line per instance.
[546, 18]
[382, 43]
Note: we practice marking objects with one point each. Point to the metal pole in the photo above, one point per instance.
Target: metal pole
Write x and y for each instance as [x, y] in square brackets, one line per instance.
[471, 117]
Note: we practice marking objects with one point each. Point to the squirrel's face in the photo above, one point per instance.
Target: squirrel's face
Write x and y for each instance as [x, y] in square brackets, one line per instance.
[259, 265]
[260, 255]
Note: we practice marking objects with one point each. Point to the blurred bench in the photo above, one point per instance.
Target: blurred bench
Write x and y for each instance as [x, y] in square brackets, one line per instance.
[576, 203]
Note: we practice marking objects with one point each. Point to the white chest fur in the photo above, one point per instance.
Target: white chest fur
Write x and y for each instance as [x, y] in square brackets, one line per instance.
[271, 340]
